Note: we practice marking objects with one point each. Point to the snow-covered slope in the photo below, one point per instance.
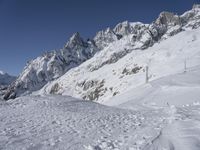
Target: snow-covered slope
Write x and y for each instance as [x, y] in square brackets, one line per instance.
[61, 122]
[122, 66]
[143, 118]
[179, 89]
[179, 92]
[121, 44]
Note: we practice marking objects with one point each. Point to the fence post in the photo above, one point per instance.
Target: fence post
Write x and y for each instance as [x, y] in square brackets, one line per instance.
[147, 74]
[185, 66]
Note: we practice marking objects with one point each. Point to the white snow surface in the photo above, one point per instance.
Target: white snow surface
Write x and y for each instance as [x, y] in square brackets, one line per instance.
[59, 122]
[164, 58]
[177, 89]
[161, 115]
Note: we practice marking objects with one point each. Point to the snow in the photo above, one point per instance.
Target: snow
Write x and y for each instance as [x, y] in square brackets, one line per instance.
[59, 122]
[163, 59]
[178, 96]
[130, 122]
[162, 114]
[182, 134]
[177, 89]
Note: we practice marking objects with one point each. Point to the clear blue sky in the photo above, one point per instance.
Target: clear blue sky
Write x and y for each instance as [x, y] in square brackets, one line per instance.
[30, 27]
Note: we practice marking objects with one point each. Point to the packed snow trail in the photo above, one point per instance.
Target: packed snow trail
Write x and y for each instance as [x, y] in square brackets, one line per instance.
[183, 133]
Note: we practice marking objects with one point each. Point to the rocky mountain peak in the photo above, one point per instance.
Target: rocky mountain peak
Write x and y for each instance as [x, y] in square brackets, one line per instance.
[168, 18]
[76, 37]
[122, 28]
[196, 6]
[75, 40]
[104, 37]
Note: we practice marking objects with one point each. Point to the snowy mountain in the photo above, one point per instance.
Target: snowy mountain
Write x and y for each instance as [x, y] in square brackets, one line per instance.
[51, 65]
[146, 77]
[122, 64]
[6, 79]
[115, 57]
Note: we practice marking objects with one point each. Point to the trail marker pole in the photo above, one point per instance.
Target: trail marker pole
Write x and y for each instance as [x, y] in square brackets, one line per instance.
[147, 74]
[185, 66]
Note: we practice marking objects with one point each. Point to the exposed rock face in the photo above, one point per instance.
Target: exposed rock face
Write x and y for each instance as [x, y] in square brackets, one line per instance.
[168, 19]
[191, 19]
[53, 65]
[134, 70]
[94, 89]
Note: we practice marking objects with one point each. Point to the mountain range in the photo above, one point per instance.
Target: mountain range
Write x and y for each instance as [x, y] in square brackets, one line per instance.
[115, 60]
[135, 86]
